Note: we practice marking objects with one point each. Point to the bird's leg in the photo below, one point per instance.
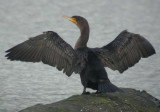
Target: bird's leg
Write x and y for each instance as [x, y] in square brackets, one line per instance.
[84, 91]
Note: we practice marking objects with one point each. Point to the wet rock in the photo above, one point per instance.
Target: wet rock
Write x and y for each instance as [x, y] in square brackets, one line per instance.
[129, 100]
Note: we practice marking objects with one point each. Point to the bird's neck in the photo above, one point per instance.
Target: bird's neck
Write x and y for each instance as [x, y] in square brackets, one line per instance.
[83, 39]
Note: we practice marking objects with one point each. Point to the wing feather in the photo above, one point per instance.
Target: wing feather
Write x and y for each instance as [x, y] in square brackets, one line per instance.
[125, 51]
[49, 48]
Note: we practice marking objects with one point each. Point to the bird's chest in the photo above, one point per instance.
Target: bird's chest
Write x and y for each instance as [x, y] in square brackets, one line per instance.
[93, 71]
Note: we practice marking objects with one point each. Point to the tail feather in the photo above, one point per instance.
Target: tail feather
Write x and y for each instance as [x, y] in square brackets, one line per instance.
[107, 87]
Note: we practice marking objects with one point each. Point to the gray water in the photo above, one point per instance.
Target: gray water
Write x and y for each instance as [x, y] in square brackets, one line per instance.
[26, 84]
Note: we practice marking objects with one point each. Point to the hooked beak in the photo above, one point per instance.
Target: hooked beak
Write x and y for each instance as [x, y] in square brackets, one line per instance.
[71, 19]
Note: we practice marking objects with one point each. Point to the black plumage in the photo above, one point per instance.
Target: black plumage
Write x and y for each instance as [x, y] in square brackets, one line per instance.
[120, 54]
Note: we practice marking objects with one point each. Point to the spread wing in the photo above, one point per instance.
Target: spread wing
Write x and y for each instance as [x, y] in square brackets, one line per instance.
[125, 51]
[51, 49]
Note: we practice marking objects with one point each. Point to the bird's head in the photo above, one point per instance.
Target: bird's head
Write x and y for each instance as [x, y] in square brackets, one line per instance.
[78, 20]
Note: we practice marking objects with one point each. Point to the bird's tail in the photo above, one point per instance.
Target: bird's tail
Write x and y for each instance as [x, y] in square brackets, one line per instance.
[105, 87]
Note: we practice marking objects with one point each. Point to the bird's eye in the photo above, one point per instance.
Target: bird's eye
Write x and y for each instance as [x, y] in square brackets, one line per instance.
[74, 18]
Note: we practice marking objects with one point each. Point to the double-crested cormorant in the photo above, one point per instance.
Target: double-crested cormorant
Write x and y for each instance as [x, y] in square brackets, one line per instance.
[120, 54]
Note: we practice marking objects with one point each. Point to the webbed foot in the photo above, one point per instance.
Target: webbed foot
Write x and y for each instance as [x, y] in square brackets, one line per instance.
[85, 93]
[97, 92]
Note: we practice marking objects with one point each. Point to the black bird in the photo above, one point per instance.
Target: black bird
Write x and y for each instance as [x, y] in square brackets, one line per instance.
[120, 54]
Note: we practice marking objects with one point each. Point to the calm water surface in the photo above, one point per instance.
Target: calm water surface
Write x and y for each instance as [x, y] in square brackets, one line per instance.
[26, 84]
